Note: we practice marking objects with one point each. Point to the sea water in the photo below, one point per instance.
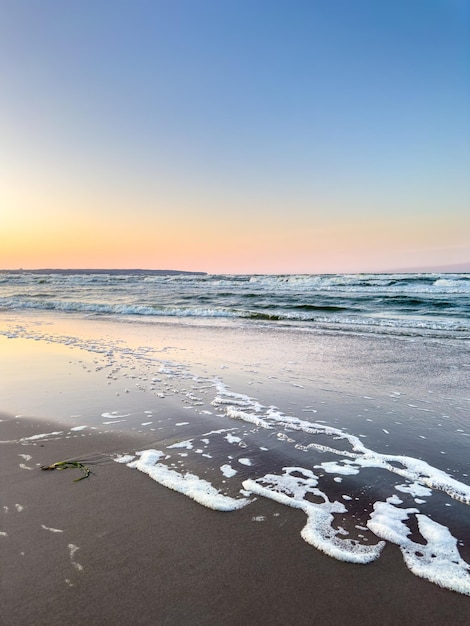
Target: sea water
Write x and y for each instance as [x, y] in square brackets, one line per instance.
[346, 397]
[436, 304]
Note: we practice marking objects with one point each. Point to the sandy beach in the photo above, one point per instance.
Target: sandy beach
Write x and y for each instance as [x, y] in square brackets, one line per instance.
[234, 408]
[117, 548]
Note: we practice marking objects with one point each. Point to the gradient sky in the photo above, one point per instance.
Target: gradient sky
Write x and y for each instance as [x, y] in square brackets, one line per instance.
[235, 135]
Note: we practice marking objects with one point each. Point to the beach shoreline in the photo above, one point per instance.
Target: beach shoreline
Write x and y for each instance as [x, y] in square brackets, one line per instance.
[118, 548]
[229, 405]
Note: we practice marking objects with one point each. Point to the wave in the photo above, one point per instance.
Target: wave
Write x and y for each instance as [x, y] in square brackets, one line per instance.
[417, 283]
[116, 309]
[363, 302]
[316, 316]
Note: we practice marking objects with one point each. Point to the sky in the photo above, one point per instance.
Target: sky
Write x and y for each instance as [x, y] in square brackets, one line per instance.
[235, 136]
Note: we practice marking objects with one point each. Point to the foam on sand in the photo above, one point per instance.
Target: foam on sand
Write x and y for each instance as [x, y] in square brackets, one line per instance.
[188, 484]
[56, 433]
[290, 440]
[319, 532]
[414, 470]
[227, 470]
[438, 560]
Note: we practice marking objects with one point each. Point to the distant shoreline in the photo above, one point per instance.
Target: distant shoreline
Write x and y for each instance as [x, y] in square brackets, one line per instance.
[104, 271]
[459, 268]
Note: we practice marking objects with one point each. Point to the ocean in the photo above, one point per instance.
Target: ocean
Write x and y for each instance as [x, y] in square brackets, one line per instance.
[414, 304]
[344, 396]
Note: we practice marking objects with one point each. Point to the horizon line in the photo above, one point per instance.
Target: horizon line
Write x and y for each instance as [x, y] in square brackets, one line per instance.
[454, 268]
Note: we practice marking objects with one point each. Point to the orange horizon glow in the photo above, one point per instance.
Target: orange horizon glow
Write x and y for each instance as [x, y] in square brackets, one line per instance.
[352, 246]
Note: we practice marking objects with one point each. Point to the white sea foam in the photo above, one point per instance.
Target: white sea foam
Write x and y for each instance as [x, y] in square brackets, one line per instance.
[72, 550]
[332, 467]
[182, 444]
[414, 470]
[56, 433]
[52, 530]
[125, 458]
[291, 490]
[438, 560]
[188, 484]
[415, 489]
[247, 417]
[232, 438]
[228, 471]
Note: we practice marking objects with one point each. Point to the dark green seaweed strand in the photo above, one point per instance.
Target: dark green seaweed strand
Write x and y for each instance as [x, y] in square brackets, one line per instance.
[60, 465]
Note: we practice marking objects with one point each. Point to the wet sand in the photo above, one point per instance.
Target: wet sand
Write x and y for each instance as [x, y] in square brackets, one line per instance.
[132, 551]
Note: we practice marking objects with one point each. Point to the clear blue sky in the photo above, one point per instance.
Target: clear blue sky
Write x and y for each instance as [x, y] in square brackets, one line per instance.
[248, 135]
